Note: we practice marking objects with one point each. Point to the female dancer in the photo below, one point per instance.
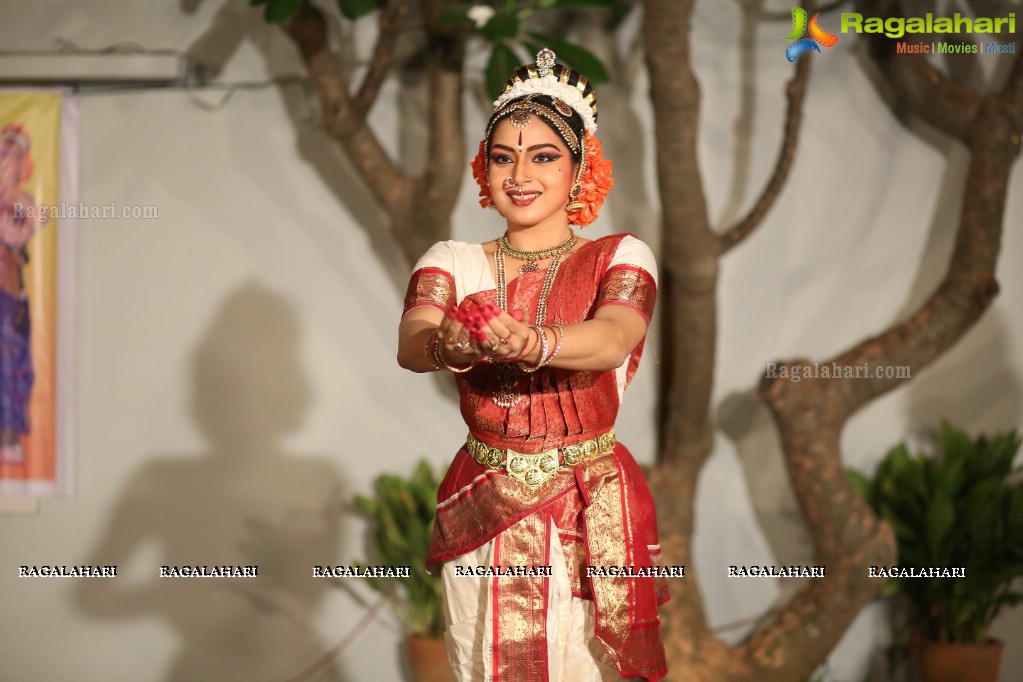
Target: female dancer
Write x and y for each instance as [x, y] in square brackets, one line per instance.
[19, 220]
[545, 533]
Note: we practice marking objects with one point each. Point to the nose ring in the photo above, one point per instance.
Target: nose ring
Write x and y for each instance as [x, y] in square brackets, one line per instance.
[510, 182]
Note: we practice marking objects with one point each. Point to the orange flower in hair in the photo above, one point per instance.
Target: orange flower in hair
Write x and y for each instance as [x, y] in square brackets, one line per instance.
[595, 185]
[479, 172]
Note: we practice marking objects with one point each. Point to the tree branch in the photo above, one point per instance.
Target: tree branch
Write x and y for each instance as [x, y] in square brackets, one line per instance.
[921, 88]
[308, 30]
[810, 414]
[431, 197]
[969, 284]
[795, 93]
[382, 60]
[1012, 93]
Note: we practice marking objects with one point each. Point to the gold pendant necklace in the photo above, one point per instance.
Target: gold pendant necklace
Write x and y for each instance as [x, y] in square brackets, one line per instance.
[531, 257]
[508, 373]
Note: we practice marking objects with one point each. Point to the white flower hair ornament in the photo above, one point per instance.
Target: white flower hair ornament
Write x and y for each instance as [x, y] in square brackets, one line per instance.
[547, 78]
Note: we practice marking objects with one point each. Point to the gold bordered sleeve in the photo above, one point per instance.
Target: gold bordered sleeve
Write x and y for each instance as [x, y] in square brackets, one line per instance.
[630, 286]
[430, 286]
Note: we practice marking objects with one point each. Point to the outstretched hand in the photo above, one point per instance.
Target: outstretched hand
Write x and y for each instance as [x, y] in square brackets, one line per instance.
[472, 332]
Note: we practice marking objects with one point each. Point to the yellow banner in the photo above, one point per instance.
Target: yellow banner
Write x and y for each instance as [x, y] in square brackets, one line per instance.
[30, 174]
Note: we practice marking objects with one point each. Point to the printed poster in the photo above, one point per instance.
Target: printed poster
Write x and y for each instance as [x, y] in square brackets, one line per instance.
[38, 142]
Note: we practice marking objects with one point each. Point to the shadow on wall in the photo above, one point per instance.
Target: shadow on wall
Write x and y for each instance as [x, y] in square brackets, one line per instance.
[242, 501]
[237, 22]
[974, 388]
[745, 420]
[971, 388]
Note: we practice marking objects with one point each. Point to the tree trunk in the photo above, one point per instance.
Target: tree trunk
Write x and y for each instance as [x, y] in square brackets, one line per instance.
[793, 639]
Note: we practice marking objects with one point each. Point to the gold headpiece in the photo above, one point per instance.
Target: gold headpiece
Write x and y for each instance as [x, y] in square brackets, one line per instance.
[570, 90]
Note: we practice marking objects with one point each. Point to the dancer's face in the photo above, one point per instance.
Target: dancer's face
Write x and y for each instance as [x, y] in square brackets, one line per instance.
[530, 174]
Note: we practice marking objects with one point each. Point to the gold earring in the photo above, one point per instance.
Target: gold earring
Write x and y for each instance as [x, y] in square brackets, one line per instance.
[573, 195]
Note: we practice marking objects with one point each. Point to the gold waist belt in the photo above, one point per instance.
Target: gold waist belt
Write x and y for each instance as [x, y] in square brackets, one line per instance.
[535, 469]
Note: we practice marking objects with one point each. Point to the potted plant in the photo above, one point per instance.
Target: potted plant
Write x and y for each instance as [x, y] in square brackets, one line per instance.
[401, 512]
[961, 508]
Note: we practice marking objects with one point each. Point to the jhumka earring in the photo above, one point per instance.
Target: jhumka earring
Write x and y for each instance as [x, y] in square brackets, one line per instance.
[574, 204]
[573, 194]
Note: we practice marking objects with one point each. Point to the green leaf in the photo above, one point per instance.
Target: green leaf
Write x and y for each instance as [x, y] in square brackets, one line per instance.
[889, 588]
[1002, 450]
[354, 9]
[502, 62]
[899, 461]
[940, 517]
[422, 475]
[860, 482]
[579, 58]
[502, 26]
[958, 508]
[402, 512]
[367, 506]
[281, 11]
[455, 16]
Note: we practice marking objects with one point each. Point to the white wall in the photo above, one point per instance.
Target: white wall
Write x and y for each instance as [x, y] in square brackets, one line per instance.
[236, 372]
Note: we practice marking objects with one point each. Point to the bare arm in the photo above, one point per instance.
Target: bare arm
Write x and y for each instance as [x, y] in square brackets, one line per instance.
[417, 325]
[415, 331]
[599, 344]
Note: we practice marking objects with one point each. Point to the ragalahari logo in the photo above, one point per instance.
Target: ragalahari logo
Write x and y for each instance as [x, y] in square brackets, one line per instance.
[818, 36]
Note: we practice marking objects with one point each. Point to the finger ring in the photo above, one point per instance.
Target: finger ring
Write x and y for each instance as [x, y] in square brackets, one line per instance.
[492, 347]
[462, 345]
[451, 340]
[503, 342]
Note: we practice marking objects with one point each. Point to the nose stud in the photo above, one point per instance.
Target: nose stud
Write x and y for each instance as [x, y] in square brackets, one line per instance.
[510, 182]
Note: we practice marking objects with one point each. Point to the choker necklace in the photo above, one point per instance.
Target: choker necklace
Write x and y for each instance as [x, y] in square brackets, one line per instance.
[531, 257]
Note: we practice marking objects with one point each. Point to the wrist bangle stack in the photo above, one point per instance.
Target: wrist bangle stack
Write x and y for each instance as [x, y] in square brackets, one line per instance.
[527, 348]
[541, 361]
[439, 357]
[428, 351]
[559, 332]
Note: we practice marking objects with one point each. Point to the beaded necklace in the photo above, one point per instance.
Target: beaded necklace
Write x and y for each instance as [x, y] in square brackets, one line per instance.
[505, 394]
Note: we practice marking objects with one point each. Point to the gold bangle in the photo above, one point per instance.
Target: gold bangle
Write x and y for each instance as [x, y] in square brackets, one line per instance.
[428, 349]
[440, 358]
